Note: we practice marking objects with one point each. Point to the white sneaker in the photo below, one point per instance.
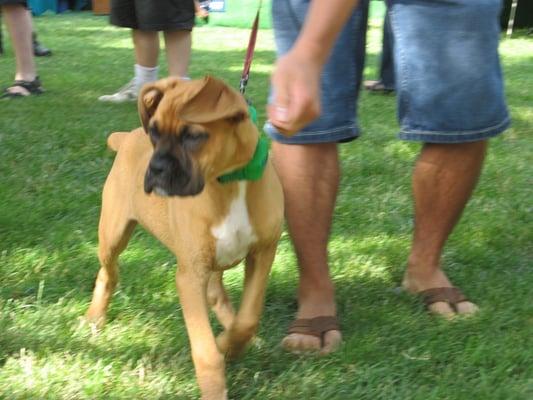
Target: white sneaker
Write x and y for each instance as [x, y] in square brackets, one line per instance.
[128, 92]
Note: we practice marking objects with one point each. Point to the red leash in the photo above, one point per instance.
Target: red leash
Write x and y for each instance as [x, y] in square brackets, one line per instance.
[250, 52]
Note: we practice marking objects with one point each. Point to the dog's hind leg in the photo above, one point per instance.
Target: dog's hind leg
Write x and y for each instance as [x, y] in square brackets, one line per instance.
[219, 301]
[114, 232]
[232, 341]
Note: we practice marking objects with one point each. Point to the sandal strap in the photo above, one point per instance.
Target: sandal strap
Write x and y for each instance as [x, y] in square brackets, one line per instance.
[316, 326]
[31, 86]
[450, 295]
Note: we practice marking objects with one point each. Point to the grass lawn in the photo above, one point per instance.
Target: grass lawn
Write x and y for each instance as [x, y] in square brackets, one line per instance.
[53, 162]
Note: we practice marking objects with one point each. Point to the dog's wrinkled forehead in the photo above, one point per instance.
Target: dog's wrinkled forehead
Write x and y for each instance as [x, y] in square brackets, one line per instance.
[195, 102]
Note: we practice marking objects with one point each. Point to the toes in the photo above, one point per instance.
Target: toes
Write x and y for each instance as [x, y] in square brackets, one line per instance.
[466, 308]
[18, 90]
[332, 341]
[441, 308]
[90, 324]
[299, 343]
[445, 309]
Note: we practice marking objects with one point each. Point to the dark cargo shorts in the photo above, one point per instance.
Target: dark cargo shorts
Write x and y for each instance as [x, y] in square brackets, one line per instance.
[10, 2]
[150, 15]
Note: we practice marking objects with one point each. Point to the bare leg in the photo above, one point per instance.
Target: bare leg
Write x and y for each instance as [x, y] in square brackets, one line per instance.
[310, 178]
[19, 24]
[443, 180]
[146, 45]
[178, 48]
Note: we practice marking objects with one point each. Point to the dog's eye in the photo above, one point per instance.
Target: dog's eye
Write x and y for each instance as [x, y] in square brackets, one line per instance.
[192, 141]
[154, 134]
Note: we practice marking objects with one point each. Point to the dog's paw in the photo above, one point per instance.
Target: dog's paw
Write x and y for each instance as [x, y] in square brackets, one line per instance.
[231, 349]
[92, 324]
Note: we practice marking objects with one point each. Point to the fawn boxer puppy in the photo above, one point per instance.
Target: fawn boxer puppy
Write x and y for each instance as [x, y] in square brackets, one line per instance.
[180, 177]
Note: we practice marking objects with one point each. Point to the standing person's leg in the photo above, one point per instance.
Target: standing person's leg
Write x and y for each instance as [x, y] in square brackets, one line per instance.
[386, 81]
[146, 67]
[39, 50]
[308, 166]
[178, 49]
[126, 14]
[443, 180]
[145, 70]
[146, 45]
[175, 20]
[18, 22]
[451, 99]
[309, 175]
[386, 70]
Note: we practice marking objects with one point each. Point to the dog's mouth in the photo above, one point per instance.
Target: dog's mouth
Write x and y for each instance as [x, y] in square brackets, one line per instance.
[166, 177]
[167, 189]
[160, 192]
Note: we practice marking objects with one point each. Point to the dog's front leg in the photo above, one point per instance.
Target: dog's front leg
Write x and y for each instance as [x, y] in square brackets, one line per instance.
[232, 341]
[219, 301]
[191, 281]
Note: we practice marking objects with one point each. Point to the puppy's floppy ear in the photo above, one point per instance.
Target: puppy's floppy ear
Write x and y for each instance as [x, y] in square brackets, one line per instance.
[214, 100]
[150, 96]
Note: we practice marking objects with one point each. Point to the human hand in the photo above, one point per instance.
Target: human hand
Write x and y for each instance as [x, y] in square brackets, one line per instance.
[296, 88]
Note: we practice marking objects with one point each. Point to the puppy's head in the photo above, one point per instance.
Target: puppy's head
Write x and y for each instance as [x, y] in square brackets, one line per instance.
[200, 130]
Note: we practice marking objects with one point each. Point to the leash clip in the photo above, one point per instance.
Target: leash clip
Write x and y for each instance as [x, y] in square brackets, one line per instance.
[243, 83]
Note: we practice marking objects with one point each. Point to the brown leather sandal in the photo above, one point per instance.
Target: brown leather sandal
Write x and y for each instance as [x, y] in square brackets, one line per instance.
[317, 326]
[450, 295]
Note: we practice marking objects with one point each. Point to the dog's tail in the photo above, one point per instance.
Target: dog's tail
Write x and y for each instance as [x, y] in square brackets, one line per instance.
[115, 140]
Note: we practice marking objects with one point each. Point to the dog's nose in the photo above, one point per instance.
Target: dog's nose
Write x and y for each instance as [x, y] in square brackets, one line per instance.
[158, 164]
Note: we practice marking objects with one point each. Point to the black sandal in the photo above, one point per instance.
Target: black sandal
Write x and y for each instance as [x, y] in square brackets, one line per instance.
[377, 87]
[32, 87]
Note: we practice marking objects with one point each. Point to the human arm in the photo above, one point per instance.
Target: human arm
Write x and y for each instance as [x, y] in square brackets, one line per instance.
[296, 76]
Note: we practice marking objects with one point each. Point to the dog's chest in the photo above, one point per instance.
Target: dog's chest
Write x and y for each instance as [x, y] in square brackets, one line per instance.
[235, 234]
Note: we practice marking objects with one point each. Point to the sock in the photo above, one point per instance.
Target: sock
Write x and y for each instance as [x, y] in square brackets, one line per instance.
[144, 75]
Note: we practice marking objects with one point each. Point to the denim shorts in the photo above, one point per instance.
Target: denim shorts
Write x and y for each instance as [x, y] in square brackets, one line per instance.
[448, 76]
[340, 79]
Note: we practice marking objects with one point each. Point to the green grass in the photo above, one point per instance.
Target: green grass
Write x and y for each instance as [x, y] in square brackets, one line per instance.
[53, 162]
[241, 13]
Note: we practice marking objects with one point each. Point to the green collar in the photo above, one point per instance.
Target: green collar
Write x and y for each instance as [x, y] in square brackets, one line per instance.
[254, 169]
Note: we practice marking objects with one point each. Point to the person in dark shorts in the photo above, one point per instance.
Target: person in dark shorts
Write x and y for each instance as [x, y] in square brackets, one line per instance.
[19, 25]
[146, 19]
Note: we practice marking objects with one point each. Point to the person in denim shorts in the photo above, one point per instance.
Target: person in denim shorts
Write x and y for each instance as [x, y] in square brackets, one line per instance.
[450, 98]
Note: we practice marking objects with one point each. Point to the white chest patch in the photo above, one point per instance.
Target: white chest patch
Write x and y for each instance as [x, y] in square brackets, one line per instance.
[235, 234]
